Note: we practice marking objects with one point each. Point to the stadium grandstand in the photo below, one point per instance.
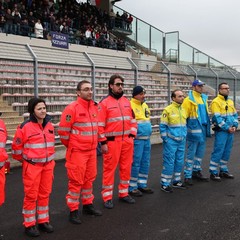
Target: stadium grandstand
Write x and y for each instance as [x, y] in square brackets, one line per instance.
[47, 47]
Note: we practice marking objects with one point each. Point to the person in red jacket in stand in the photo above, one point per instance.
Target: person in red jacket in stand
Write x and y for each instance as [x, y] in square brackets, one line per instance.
[117, 128]
[78, 131]
[3, 158]
[33, 145]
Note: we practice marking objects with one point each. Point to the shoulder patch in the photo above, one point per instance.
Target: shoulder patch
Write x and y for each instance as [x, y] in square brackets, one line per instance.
[68, 118]
[18, 141]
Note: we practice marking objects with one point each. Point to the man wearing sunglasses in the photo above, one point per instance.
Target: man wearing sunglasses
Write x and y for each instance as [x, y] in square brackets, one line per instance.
[198, 128]
[117, 127]
[225, 120]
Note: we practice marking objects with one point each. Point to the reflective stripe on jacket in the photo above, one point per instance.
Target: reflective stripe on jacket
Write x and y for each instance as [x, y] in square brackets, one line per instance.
[173, 122]
[3, 139]
[78, 126]
[115, 118]
[194, 124]
[142, 116]
[224, 113]
[34, 142]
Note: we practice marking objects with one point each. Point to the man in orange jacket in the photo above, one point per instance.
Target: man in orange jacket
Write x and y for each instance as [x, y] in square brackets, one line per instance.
[117, 128]
[78, 131]
[3, 158]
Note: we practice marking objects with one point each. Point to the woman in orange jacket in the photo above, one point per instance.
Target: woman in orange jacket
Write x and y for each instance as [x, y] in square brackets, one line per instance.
[33, 145]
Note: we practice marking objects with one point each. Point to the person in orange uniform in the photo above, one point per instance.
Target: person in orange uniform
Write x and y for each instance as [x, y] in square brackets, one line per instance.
[78, 131]
[33, 145]
[3, 158]
[117, 128]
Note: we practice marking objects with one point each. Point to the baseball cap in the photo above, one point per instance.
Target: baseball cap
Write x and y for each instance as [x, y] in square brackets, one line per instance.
[197, 82]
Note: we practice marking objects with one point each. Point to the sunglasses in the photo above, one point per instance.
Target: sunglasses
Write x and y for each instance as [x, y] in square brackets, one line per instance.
[119, 84]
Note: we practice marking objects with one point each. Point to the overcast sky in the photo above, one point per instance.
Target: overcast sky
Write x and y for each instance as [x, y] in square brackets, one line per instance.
[211, 26]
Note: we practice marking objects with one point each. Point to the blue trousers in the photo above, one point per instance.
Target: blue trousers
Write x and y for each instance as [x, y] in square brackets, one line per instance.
[141, 164]
[195, 154]
[173, 161]
[221, 152]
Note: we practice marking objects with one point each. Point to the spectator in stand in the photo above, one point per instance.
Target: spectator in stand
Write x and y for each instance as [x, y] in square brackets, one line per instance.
[112, 19]
[16, 22]
[129, 22]
[46, 20]
[2, 11]
[31, 21]
[64, 28]
[24, 27]
[23, 12]
[9, 22]
[2, 24]
[38, 29]
[88, 35]
[121, 45]
[55, 26]
[124, 19]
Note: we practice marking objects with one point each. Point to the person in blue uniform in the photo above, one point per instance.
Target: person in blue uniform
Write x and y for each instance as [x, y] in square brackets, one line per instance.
[142, 144]
[173, 132]
[225, 120]
[198, 128]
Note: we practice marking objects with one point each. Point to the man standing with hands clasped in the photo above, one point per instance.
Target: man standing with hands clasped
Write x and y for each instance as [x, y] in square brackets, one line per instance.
[198, 128]
[173, 132]
[117, 128]
[225, 120]
[78, 131]
[142, 144]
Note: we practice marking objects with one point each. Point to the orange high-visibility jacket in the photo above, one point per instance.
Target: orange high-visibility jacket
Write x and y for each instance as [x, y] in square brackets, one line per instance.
[33, 141]
[116, 118]
[3, 139]
[78, 125]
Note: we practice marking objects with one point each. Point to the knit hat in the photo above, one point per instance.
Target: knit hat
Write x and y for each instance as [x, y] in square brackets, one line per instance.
[137, 90]
[33, 102]
[197, 82]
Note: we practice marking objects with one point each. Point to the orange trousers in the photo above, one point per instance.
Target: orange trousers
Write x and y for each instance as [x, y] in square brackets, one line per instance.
[37, 181]
[2, 185]
[81, 170]
[120, 151]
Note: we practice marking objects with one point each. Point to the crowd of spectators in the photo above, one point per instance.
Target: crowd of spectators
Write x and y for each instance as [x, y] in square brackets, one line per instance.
[85, 24]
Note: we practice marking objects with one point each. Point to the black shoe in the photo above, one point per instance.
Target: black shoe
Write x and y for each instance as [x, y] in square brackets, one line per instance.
[127, 199]
[215, 177]
[226, 175]
[108, 204]
[45, 227]
[198, 175]
[89, 209]
[74, 217]
[146, 190]
[166, 189]
[136, 193]
[179, 185]
[32, 231]
[188, 181]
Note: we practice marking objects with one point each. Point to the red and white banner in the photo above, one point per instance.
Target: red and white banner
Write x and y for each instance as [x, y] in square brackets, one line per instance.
[95, 2]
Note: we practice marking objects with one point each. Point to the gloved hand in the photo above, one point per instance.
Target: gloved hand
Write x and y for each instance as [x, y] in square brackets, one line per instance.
[131, 136]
